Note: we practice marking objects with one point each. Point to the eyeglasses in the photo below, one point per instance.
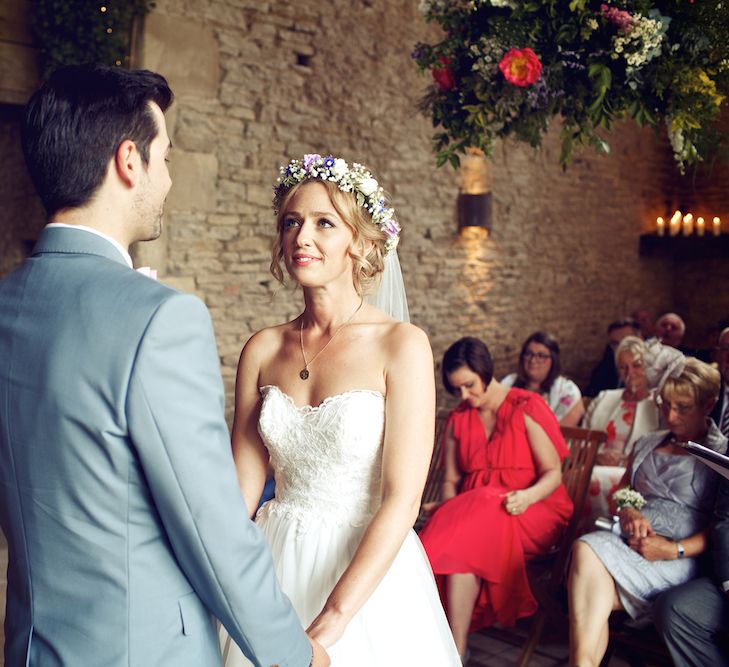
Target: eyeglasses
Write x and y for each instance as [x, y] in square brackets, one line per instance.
[539, 356]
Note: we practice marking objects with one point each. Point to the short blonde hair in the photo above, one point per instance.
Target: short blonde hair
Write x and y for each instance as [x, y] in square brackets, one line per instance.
[632, 345]
[698, 380]
[368, 265]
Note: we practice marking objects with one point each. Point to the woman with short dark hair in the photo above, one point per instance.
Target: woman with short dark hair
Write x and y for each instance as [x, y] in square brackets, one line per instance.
[502, 498]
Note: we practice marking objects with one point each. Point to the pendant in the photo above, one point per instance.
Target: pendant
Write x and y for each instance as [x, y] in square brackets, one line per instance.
[304, 374]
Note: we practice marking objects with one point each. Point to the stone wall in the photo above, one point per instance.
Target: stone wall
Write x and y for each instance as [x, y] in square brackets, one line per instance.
[279, 79]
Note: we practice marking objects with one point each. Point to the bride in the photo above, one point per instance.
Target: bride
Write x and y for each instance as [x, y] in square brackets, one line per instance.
[340, 402]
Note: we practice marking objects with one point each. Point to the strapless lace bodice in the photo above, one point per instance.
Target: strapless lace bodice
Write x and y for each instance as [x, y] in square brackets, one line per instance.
[327, 459]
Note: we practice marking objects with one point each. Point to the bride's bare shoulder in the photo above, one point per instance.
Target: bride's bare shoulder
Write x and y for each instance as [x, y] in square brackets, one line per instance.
[398, 336]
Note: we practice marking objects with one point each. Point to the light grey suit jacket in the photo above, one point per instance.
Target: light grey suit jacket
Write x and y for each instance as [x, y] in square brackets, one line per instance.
[118, 494]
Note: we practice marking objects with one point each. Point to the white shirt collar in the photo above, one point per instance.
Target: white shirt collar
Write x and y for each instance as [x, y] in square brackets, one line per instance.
[124, 252]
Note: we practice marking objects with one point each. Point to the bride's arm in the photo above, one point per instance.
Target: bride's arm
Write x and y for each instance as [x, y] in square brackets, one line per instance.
[408, 445]
[250, 454]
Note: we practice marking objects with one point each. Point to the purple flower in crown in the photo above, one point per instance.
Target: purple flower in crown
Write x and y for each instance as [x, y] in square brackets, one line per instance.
[391, 228]
[310, 159]
[329, 161]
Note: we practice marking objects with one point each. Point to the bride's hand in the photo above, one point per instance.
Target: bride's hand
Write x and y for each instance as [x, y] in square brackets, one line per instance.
[327, 628]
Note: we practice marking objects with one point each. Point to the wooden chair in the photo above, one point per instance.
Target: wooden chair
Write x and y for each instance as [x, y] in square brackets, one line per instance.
[431, 492]
[546, 573]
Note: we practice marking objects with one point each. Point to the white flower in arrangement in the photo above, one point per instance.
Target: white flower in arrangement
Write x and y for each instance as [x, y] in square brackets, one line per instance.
[357, 180]
[627, 497]
[503, 3]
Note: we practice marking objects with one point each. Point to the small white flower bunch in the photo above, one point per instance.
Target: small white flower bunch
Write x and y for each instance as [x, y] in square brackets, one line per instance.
[355, 179]
[627, 497]
[641, 43]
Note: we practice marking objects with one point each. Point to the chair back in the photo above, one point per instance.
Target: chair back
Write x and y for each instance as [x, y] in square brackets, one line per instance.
[583, 444]
[431, 492]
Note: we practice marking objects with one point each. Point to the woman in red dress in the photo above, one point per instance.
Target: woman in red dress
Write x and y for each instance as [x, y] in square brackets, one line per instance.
[502, 498]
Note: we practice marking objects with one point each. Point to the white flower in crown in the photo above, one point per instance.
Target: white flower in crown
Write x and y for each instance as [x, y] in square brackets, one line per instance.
[357, 180]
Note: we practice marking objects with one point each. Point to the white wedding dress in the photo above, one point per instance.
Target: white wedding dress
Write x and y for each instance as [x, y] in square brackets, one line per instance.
[327, 461]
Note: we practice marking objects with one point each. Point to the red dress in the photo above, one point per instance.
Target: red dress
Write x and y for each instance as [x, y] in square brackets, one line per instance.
[472, 532]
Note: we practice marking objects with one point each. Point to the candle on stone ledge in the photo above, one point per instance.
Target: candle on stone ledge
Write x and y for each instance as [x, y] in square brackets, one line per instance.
[716, 226]
[660, 226]
[674, 227]
[688, 224]
[700, 226]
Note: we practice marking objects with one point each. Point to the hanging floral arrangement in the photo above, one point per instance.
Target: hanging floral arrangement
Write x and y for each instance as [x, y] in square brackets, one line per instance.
[505, 68]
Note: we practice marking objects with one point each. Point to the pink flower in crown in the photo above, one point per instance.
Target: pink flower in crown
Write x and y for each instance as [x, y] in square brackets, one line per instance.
[310, 159]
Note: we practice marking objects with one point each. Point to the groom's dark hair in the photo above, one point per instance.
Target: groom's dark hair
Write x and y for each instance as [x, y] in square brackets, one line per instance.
[75, 122]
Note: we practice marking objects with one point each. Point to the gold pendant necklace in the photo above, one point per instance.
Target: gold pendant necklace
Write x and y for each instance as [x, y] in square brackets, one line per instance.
[304, 372]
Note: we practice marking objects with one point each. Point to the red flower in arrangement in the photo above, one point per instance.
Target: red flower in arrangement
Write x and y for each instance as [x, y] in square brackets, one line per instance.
[443, 75]
[520, 67]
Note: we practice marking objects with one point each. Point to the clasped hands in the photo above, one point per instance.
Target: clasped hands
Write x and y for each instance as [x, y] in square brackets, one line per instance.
[642, 538]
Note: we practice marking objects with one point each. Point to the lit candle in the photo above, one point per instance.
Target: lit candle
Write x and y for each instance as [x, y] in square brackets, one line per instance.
[688, 224]
[675, 225]
[660, 226]
[700, 226]
[716, 226]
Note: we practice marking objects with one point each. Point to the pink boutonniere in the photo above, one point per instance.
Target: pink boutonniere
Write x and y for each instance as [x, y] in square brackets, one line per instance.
[148, 271]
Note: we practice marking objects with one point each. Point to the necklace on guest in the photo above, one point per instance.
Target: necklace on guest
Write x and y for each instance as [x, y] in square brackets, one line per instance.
[304, 372]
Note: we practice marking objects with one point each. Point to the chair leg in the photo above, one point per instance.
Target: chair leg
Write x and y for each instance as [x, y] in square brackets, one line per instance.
[535, 634]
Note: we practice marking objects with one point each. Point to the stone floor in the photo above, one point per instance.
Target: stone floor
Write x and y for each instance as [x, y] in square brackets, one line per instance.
[494, 648]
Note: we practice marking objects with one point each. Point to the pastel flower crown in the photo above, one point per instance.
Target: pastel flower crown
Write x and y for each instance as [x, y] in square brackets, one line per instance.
[355, 179]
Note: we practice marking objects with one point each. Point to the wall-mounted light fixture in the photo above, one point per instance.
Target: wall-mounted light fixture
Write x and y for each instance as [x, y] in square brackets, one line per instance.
[474, 210]
[474, 198]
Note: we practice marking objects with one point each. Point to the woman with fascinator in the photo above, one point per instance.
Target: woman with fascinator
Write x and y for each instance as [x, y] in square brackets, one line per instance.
[340, 402]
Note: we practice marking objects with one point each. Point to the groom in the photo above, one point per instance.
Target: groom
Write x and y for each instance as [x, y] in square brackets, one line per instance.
[118, 495]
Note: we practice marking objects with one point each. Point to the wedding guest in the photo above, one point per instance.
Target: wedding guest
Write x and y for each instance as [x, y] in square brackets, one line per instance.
[502, 498]
[693, 618]
[539, 371]
[670, 330]
[625, 415]
[720, 413]
[605, 374]
[658, 545]
[644, 318]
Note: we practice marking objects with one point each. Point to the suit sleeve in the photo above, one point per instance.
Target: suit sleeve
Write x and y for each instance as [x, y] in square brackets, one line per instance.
[175, 412]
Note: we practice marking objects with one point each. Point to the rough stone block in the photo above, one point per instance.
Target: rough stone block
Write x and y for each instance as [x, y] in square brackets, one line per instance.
[184, 51]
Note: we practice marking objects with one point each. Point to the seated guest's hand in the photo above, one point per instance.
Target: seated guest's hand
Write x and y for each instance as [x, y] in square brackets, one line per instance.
[634, 524]
[611, 457]
[653, 547]
[516, 502]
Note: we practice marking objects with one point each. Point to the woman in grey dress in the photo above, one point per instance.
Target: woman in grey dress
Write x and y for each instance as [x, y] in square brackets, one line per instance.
[657, 546]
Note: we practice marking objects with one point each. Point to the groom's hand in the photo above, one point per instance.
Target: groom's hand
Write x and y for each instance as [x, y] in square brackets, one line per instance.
[320, 657]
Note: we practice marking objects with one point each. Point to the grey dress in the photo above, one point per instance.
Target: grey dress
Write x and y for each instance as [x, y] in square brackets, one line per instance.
[679, 491]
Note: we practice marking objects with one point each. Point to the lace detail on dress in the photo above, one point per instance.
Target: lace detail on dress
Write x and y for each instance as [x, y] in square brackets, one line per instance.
[327, 458]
